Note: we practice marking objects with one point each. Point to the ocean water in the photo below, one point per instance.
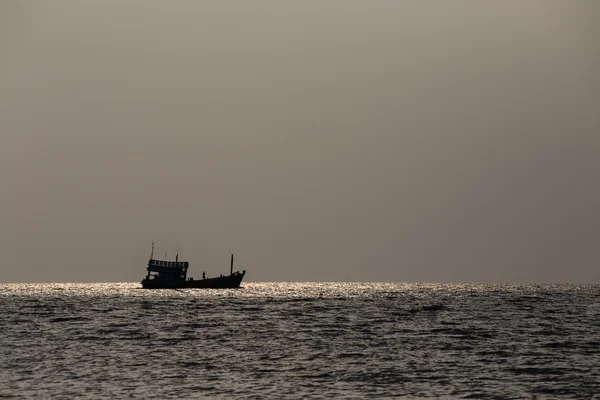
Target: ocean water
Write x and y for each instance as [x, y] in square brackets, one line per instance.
[300, 340]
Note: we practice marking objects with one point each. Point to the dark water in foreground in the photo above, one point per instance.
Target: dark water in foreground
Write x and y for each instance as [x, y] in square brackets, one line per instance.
[292, 340]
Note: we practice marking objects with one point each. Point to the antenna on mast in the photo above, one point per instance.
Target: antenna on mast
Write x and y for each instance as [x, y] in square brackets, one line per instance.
[152, 252]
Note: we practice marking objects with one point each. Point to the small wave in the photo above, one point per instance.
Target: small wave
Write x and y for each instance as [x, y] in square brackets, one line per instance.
[176, 339]
[559, 345]
[93, 338]
[351, 355]
[69, 319]
[322, 375]
[476, 396]
[20, 321]
[433, 307]
[193, 325]
[190, 364]
[536, 371]
[556, 391]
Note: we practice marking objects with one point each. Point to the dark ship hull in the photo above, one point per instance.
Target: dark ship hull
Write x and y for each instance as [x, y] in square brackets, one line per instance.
[232, 281]
[163, 274]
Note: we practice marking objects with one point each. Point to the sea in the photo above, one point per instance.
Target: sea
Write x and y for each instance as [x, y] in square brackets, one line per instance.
[300, 340]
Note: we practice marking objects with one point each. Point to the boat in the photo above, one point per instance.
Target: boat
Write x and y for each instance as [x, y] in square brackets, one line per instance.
[164, 274]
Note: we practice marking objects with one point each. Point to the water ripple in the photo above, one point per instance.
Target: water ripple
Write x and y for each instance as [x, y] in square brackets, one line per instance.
[291, 340]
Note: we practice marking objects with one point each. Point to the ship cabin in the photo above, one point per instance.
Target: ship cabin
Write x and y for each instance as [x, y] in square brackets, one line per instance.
[168, 271]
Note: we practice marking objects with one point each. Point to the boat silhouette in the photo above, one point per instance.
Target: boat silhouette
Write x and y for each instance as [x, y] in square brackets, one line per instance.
[163, 274]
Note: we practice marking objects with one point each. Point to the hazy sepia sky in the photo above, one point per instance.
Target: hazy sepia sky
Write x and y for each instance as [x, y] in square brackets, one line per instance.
[318, 140]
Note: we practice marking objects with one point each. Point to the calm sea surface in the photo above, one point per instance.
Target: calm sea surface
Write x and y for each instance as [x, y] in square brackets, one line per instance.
[292, 340]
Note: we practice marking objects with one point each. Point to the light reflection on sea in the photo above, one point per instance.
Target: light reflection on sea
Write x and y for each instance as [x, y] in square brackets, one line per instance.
[290, 340]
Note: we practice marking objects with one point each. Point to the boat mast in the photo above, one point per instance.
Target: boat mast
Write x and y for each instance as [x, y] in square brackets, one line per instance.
[152, 252]
[231, 273]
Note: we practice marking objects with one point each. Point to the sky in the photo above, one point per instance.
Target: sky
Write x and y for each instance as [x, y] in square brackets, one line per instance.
[338, 140]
